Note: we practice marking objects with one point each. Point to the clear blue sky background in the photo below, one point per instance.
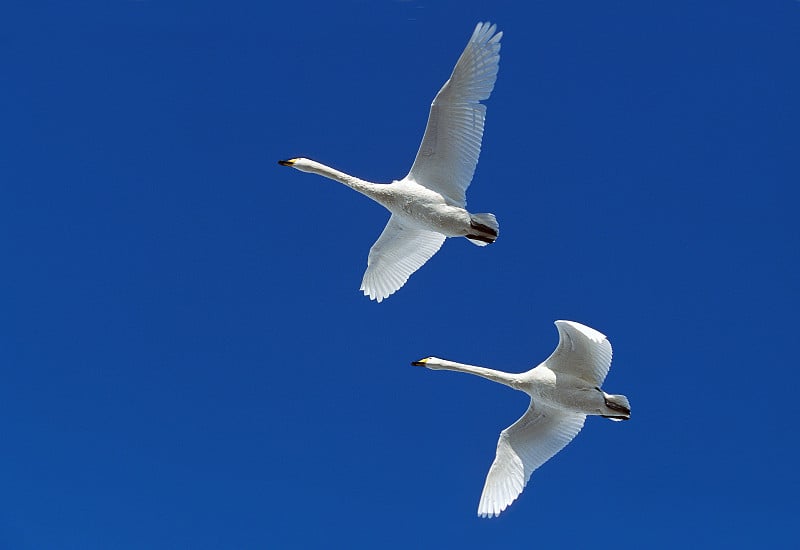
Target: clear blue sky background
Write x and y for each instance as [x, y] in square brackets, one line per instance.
[187, 361]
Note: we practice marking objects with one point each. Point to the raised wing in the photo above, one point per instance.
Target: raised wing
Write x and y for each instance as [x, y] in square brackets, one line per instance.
[524, 446]
[397, 253]
[451, 145]
[582, 352]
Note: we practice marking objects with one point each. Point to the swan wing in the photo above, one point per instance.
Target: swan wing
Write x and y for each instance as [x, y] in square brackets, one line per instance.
[399, 251]
[451, 145]
[582, 352]
[524, 446]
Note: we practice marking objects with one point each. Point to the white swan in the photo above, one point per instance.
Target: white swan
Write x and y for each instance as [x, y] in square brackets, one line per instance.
[564, 390]
[428, 205]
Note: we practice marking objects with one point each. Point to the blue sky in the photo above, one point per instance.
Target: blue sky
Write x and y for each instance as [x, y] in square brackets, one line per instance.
[187, 361]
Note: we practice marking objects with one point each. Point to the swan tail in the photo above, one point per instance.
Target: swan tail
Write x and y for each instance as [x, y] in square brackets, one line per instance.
[484, 229]
[618, 407]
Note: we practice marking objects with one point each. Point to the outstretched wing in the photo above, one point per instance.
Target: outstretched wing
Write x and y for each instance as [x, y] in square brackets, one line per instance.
[582, 352]
[451, 145]
[397, 253]
[524, 446]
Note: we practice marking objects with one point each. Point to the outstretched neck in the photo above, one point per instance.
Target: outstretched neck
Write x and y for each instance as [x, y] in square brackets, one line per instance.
[372, 190]
[501, 377]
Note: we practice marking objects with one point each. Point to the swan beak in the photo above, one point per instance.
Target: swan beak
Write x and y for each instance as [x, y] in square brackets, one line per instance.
[420, 363]
[289, 162]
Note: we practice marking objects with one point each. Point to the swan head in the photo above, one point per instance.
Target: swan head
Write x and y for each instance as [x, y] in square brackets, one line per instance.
[429, 362]
[301, 163]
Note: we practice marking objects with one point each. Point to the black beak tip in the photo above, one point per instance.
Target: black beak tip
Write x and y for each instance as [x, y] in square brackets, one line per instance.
[417, 364]
[284, 163]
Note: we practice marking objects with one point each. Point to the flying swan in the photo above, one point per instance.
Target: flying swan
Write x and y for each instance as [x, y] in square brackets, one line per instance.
[564, 390]
[428, 204]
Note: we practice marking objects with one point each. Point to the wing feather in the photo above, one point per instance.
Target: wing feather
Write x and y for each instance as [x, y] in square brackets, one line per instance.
[582, 351]
[449, 152]
[398, 252]
[524, 446]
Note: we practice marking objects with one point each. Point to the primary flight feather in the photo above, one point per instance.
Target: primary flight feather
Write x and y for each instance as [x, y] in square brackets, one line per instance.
[428, 205]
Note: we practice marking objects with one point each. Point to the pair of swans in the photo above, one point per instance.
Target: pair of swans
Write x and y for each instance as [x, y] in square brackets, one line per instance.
[429, 205]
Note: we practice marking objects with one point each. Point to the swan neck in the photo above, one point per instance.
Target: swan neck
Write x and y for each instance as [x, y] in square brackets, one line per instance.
[501, 377]
[366, 187]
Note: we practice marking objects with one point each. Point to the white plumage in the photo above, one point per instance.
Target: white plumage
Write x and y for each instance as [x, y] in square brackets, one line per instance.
[429, 204]
[564, 389]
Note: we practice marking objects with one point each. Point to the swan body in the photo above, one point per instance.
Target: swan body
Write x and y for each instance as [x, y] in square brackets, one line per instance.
[564, 390]
[429, 204]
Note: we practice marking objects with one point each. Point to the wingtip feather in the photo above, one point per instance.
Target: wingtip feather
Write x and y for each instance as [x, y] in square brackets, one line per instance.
[589, 332]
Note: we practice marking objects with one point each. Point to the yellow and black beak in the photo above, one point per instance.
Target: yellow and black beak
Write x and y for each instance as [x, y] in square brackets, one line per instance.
[420, 363]
[289, 162]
